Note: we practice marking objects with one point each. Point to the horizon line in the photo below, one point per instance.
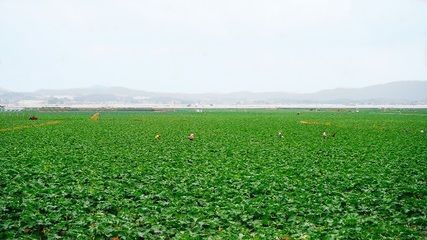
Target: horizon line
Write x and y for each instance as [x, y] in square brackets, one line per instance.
[201, 93]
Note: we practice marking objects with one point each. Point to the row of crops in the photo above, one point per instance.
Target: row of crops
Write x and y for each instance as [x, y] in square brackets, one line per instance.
[65, 176]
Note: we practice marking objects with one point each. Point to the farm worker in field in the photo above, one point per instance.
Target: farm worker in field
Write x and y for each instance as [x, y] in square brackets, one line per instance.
[157, 137]
[280, 134]
[191, 137]
[324, 135]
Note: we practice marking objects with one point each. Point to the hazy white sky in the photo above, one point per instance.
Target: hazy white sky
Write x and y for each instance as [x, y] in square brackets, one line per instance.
[211, 46]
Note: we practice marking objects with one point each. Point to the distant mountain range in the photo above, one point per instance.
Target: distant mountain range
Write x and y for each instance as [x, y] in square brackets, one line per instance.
[407, 92]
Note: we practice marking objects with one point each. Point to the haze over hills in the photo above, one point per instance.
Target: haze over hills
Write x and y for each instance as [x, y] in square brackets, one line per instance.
[405, 92]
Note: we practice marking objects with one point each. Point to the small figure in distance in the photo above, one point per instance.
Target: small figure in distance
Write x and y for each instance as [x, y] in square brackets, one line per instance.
[422, 131]
[324, 135]
[157, 137]
[33, 117]
[280, 134]
[191, 137]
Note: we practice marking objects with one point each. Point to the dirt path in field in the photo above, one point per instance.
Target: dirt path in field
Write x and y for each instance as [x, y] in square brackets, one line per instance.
[310, 122]
[29, 126]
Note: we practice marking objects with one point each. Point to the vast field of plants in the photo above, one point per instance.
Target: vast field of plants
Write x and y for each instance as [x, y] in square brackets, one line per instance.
[66, 176]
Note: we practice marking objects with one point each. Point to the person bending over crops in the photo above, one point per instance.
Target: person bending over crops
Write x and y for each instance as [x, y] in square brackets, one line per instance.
[324, 135]
[191, 137]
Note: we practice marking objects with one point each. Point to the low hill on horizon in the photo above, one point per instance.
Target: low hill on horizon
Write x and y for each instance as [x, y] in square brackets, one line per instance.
[404, 92]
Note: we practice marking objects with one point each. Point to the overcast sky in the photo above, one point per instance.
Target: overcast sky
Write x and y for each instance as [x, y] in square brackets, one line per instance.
[211, 46]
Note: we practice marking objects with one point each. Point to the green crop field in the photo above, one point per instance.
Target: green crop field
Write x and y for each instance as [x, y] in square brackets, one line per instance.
[66, 176]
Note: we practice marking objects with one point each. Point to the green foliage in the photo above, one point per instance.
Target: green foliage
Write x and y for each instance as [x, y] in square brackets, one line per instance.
[81, 179]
